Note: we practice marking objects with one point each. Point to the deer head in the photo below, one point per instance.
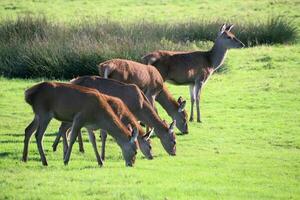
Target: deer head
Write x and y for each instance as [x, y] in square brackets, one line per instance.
[145, 144]
[168, 140]
[129, 149]
[226, 39]
[181, 116]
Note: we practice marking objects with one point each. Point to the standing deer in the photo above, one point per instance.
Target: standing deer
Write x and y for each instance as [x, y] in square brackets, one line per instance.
[194, 68]
[137, 103]
[84, 107]
[147, 78]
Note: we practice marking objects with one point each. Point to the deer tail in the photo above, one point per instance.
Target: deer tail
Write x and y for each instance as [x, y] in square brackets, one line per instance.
[104, 70]
[30, 94]
[149, 59]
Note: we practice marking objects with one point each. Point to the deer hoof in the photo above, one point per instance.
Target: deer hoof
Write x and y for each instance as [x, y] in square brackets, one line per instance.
[81, 150]
[54, 148]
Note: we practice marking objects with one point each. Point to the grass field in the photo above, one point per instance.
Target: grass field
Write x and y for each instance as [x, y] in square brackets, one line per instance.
[157, 10]
[248, 146]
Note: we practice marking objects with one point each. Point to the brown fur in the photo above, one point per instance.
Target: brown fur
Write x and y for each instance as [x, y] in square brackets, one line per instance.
[181, 67]
[76, 99]
[137, 103]
[169, 104]
[84, 106]
[146, 77]
[194, 68]
[151, 58]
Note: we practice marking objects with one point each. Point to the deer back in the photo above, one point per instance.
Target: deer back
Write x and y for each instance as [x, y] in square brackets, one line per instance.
[130, 94]
[144, 76]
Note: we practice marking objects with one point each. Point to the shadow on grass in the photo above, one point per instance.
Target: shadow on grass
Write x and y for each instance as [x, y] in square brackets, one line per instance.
[22, 134]
[89, 167]
[181, 134]
[13, 134]
[11, 141]
[5, 154]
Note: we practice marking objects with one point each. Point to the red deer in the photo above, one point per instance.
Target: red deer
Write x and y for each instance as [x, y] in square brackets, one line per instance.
[175, 109]
[121, 110]
[146, 77]
[84, 107]
[194, 68]
[152, 57]
[137, 103]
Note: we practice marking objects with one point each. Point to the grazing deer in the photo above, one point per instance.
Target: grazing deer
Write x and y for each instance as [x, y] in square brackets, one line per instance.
[84, 107]
[175, 109]
[137, 103]
[146, 77]
[194, 68]
[121, 110]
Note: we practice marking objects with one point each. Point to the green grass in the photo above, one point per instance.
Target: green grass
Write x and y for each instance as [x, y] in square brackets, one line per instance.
[156, 10]
[33, 47]
[246, 148]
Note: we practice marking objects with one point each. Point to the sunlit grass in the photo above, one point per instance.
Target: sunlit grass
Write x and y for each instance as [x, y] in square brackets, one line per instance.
[246, 148]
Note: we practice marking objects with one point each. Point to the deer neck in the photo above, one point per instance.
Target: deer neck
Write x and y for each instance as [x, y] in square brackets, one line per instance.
[217, 55]
[167, 102]
[152, 119]
[119, 134]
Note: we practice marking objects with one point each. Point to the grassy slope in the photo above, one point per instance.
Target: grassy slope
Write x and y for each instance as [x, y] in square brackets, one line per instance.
[158, 10]
[247, 147]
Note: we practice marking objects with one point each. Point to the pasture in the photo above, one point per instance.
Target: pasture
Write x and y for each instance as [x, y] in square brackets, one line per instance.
[246, 148]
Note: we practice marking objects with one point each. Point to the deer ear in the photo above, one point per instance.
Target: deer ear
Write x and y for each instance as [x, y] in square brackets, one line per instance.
[172, 126]
[134, 135]
[179, 100]
[142, 124]
[223, 28]
[148, 135]
[182, 106]
[129, 127]
[229, 27]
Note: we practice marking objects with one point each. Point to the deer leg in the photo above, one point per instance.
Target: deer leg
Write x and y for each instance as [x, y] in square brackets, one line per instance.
[62, 129]
[103, 134]
[80, 143]
[192, 96]
[76, 126]
[198, 88]
[43, 124]
[28, 133]
[56, 141]
[62, 132]
[93, 141]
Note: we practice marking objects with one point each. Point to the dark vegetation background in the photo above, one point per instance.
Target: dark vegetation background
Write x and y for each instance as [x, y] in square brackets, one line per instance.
[33, 47]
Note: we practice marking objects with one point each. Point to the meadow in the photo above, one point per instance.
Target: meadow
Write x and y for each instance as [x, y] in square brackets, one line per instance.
[246, 148]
